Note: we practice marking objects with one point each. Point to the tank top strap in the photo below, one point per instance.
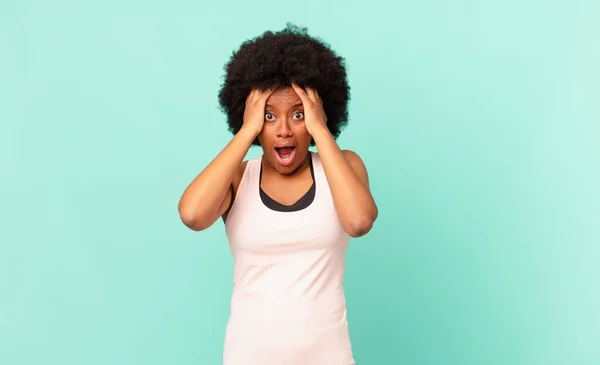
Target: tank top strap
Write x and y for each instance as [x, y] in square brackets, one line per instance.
[318, 172]
[249, 181]
[322, 185]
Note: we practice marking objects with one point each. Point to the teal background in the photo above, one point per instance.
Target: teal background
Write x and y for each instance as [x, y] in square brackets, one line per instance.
[479, 122]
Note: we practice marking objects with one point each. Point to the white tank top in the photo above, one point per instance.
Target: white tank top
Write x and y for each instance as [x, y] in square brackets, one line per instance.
[289, 265]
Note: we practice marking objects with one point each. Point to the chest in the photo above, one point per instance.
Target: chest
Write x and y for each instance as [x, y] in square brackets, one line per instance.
[255, 228]
[286, 191]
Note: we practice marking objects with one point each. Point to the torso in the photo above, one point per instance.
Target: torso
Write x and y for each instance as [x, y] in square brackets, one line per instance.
[285, 190]
[288, 303]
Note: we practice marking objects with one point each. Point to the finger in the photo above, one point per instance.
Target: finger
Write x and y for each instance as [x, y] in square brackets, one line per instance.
[255, 96]
[267, 92]
[258, 95]
[312, 94]
[265, 95]
[251, 96]
[301, 93]
[317, 96]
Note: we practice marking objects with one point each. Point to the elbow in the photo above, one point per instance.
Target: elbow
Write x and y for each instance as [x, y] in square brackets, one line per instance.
[361, 225]
[191, 220]
[358, 228]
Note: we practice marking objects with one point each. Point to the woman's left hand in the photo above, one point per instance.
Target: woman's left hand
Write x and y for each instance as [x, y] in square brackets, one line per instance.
[315, 119]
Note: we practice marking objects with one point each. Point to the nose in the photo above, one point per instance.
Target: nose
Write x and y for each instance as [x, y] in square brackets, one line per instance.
[283, 130]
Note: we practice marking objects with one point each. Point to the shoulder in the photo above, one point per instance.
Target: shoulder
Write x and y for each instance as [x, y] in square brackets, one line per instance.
[354, 160]
[357, 164]
[351, 156]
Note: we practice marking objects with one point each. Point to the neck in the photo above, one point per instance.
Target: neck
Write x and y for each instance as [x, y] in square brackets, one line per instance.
[301, 167]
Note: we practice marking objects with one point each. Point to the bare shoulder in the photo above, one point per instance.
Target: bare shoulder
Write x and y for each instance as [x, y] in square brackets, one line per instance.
[352, 157]
[357, 164]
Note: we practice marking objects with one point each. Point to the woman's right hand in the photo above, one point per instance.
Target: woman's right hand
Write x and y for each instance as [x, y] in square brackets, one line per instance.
[254, 112]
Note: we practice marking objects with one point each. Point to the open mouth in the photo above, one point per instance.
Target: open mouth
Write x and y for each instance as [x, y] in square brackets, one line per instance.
[286, 154]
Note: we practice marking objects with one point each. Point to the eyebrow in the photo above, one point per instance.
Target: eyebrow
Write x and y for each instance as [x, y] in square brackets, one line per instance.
[293, 106]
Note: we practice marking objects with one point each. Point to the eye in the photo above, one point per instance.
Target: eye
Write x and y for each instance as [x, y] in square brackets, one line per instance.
[269, 116]
[299, 115]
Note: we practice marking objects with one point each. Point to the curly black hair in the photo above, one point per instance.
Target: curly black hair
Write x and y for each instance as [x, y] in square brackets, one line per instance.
[276, 59]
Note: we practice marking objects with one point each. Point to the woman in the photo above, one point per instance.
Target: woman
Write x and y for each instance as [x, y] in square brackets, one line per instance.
[288, 214]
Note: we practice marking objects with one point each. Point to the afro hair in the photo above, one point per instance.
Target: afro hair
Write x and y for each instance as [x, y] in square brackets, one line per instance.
[276, 59]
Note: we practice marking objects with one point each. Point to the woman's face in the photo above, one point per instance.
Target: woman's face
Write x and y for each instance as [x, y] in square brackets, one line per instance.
[284, 138]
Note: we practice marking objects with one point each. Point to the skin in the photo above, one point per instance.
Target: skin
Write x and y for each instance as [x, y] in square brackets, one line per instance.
[285, 124]
[289, 115]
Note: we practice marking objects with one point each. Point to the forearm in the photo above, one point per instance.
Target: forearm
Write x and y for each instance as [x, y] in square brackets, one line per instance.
[352, 198]
[201, 200]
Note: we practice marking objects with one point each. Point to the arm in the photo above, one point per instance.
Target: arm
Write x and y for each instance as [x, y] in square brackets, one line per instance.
[208, 196]
[345, 171]
[349, 184]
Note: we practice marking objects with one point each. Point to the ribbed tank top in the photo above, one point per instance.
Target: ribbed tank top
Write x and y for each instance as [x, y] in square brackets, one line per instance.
[288, 264]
